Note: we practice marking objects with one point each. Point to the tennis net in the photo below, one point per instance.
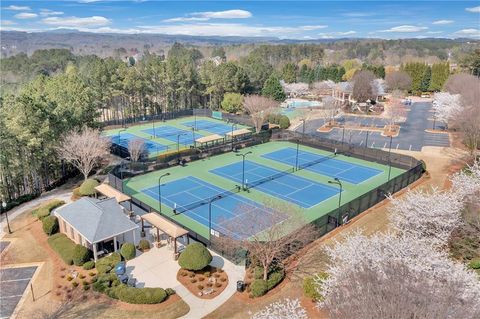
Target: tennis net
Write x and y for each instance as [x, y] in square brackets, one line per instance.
[317, 161]
[267, 179]
[179, 209]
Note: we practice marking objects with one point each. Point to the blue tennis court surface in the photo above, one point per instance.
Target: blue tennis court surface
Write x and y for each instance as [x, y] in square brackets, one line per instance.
[209, 126]
[125, 138]
[170, 133]
[292, 188]
[226, 212]
[345, 171]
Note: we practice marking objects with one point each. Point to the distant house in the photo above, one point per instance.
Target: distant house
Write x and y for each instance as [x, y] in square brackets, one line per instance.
[342, 92]
[101, 225]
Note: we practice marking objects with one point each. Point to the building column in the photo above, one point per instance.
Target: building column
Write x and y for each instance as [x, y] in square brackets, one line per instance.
[134, 235]
[115, 244]
[95, 251]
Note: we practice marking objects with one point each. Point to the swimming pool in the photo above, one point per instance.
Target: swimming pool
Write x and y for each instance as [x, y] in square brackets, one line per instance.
[295, 104]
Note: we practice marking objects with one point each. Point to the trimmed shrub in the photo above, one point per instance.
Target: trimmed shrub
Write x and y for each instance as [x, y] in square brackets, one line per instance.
[138, 295]
[258, 272]
[63, 246]
[104, 282]
[170, 291]
[258, 287]
[80, 255]
[106, 264]
[284, 122]
[310, 289]
[195, 257]
[88, 187]
[50, 225]
[424, 165]
[76, 193]
[128, 251]
[89, 265]
[143, 245]
[45, 209]
[274, 278]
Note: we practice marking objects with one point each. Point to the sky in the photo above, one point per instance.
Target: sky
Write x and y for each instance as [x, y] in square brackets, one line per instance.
[300, 20]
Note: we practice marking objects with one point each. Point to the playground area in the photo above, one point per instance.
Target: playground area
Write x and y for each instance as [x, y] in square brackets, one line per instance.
[211, 195]
[161, 137]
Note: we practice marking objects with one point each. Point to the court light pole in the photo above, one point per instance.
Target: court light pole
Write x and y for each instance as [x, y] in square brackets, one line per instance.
[193, 133]
[389, 158]
[210, 214]
[153, 126]
[243, 167]
[296, 158]
[303, 128]
[366, 140]
[343, 133]
[178, 145]
[233, 126]
[4, 207]
[160, 191]
[339, 183]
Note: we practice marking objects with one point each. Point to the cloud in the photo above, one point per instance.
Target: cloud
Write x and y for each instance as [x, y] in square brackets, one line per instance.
[358, 14]
[313, 27]
[205, 16]
[405, 29]
[47, 12]
[7, 22]
[474, 9]
[441, 22]
[18, 8]
[25, 15]
[471, 33]
[333, 35]
[94, 21]
[434, 32]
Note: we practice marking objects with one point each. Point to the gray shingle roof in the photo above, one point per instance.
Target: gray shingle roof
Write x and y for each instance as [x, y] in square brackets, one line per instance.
[96, 219]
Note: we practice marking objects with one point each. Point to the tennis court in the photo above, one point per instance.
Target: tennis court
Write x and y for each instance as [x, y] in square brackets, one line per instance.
[325, 165]
[209, 126]
[190, 196]
[171, 133]
[124, 138]
[284, 185]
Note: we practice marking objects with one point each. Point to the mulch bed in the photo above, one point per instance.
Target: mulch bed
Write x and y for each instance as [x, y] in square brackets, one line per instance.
[198, 281]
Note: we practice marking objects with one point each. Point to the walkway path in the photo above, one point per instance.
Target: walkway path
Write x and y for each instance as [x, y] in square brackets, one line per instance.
[156, 268]
[60, 193]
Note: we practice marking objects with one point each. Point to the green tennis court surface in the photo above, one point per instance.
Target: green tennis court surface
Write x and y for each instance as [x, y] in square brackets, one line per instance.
[269, 178]
[160, 137]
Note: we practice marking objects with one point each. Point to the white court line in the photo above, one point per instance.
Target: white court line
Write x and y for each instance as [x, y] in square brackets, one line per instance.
[13, 280]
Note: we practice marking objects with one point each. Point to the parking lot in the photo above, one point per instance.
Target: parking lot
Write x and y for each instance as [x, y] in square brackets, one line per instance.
[412, 132]
[13, 282]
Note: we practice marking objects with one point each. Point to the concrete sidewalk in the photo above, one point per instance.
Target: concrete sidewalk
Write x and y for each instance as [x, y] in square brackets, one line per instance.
[157, 268]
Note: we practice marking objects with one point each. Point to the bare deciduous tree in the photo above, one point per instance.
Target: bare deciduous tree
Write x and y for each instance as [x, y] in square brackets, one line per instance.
[84, 149]
[259, 107]
[363, 86]
[136, 147]
[330, 109]
[469, 124]
[395, 110]
[398, 80]
[269, 233]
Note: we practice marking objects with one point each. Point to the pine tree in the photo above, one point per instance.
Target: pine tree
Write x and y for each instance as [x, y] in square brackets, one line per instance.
[440, 73]
[272, 88]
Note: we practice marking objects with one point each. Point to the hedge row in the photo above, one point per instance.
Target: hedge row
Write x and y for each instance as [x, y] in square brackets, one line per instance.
[45, 209]
[63, 246]
[282, 120]
[110, 285]
[50, 225]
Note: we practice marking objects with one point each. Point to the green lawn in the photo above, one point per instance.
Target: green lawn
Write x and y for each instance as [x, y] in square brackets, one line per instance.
[200, 169]
[177, 123]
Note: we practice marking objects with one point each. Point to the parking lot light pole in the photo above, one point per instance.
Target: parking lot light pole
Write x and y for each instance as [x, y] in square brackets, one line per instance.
[210, 214]
[339, 183]
[243, 167]
[160, 191]
[4, 207]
